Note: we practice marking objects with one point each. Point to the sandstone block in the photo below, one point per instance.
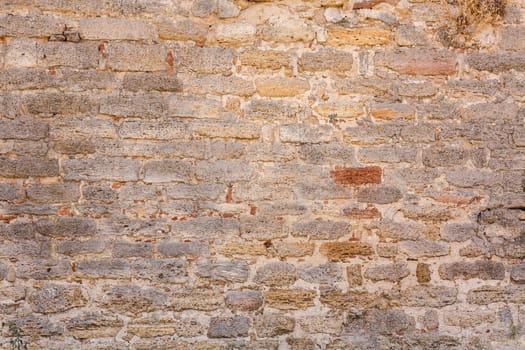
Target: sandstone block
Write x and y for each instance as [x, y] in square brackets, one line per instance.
[289, 299]
[354, 275]
[364, 36]
[76, 247]
[235, 34]
[123, 249]
[517, 273]
[423, 273]
[206, 60]
[379, 195]
[429, 296]
[321, 229]
[53, 298]
[9, 192]
[107, 28]
[197, 299]
[277, 274]
[116, 169]
[262, 228]
[171, 248]
[136, 57]
[328, 273]
[132, 299]
[73, 55]
[419, 61]
[281, 86]
[303, 133]
[273, 325]
[293, 249]
[151, 81]
[66, 227]
[23, 128]
[497, 61]
[265, 59]
[167, 171]
[54, 193]
[181, 29]
[326, 59]
[341, 251]
[223, 270]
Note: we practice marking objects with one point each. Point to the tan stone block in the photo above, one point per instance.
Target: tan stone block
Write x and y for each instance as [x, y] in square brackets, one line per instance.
[341, 251]
[265, 59]
[281, 86]
[234, 34]
[365, 36]
[289, 299]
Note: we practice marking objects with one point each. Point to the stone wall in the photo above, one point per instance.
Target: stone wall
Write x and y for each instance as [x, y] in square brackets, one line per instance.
[235, 174]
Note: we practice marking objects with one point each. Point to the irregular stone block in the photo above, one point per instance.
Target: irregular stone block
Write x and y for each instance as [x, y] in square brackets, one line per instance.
[244, 300]
[229, 327]
[387, 272]
[472, 269]
[276, 274]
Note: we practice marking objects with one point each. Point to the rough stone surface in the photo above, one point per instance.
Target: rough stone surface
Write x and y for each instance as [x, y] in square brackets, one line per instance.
[262, 174]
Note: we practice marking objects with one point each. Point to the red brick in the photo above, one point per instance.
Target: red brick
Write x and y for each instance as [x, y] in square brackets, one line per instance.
[356, 176]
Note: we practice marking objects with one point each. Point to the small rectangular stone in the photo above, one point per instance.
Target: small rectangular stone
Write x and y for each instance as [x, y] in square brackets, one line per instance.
[116, 169]
[125, 249]
[108, 28]
[281, 86]
[181, 29]
[229, 327]
[28, 167]
[326, 59]
[58, 103]
[54, 193]
[321, 229]
[76, 247]
[499, 61]
[423, 248]
[10, 192]
[486, 270]
[136, 57]
[365, 36]
[145, 105]
[417, 61]
[342, 251]
[155, 130]
[152, 81]
[23, 128]
[34, 25]
[66, 227]
[235, 34]
[224, 171]
[289, 299]
[265, 59]
[205, 60]
[305, 133]
[218, 85]
[73, 55]
[168, 170]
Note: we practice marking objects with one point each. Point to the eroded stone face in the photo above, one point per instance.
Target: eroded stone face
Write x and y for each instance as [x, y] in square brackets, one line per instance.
[261, 174]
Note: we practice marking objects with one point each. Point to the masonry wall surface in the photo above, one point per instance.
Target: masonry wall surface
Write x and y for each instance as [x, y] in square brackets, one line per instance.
[219, 174]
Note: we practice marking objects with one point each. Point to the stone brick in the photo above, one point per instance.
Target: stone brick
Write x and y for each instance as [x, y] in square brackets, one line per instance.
[289, 299]
[287, 30]
[418, 61]
[21, 52]
[325, 59]
[423, 273]
[145, 105]
[54, 193]
[517, 273]
[458, 232]
[227, 9]
[244, 300]
[53, 298]
[76, 247]
[160, 270]
[379, 195]
[136, 57]
[265, 59]
[273, 325]
[171, 248]
[206, 60]
[235, 34]
[423, 248]
[331, 323]
[167, 171]
[223, 270]
[58, 103]
[23, 128]
[303, 133]
[497, 61]
[66, 226]
[106, 28]
[116, 169]
[389, 111]
[385, 322]
[206, 228]
[329, 273]
[293, 249]
[356, 176]
[281, 86]
[227, 129]
[262, 228]
[132, 299]
[92, 325]
[41, 269]
[123, 249]
[321, 229]
[197, 299]
[387, 272]
[31, 25]
[104, 268]
[276, 274]
[486, 295]
[387, 154]
[429, 296]
[73, 55]
[181, 29]
[219, 85]
[151, 81]
[342, 251]
[364, 36]
[354, 275]
[229, 327]
[10, 192]
[224, 171]
[472, 269]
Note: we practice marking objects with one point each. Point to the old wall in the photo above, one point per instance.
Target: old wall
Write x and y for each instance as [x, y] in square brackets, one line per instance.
[220, 174]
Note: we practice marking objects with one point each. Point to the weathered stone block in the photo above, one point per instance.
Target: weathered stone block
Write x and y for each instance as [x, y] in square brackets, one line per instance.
[10, 192]
[123, 249]
[54, 193]
[23, 128]
[77, 56]
[206, 60]
[517, 273]
[458, 232]
[181, 29]
[53, 298]
[419, 61]
[262, 228]
[342, 251]
[107, 28]
[326, 59]
[116, 169]
[170, 248]
[244, 300]
[365, 36]
[328, 273]
[223, 270]
[497, 61]
[423, 273]
[160, 270]
[429, 296]
[167, 171]
[321, 229]
[281, 86]
[132, 299]
[304, 133]
[289, 299]
[136, 57]
[379, 195]
[229, 327]
[235, 34]
[277, 273]
[66, 227]
[265, 59]
[354, 275]
[197, 299]
[472, 269]
[273, 325]
[76, 247]
[423, 248]
[387, 272]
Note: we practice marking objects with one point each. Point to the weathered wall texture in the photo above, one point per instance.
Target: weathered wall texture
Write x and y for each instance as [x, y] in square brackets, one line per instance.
[218, 174]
